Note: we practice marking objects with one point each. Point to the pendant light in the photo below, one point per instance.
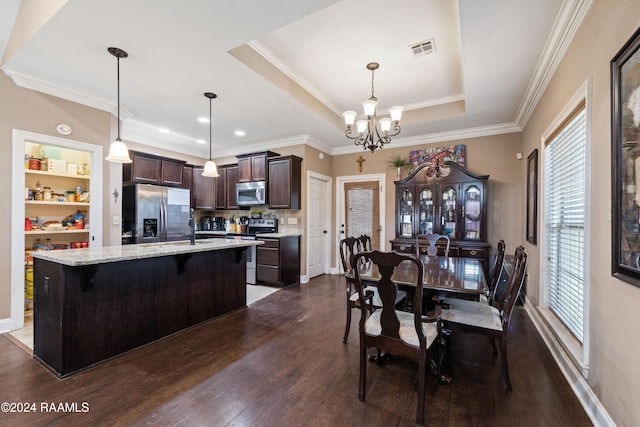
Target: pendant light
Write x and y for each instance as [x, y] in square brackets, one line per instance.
[118, 152]
[210, 168]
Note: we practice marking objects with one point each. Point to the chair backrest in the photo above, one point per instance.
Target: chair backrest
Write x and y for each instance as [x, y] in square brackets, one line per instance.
[348, 248]
[365, 243]
[501, 289]
[432, 249]
[496, 268]
[514, 285]
[386, 262]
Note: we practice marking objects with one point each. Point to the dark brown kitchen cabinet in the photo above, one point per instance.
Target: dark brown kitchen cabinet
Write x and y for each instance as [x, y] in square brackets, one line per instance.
[278, 260]
[171, 172]
[232, 180]
[187, 174]
[202, 190]
[220, 188]
[225, 187]
[150, 169]
[253, 167]
[452, 204]
[285, 182]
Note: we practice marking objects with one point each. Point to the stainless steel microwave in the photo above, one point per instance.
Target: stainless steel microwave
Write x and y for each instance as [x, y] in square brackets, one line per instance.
[251, 193]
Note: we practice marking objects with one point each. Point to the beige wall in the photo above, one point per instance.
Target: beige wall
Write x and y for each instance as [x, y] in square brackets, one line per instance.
[493, 155]
[614, 305]
[36, 112]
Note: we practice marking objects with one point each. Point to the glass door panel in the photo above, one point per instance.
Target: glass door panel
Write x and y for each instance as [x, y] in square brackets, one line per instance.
[471, 212]
[425, 211]
[406, 213]
[448, 212]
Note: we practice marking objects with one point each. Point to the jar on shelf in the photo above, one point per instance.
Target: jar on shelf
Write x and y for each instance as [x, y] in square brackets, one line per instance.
[37, 193]
[47, 194]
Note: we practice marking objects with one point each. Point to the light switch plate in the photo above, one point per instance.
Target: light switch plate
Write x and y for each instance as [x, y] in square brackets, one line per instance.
[293, 220]
[115, 220]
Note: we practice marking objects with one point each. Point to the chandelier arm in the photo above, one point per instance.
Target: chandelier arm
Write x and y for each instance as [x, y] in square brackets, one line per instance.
[396, 130]
[350, 132]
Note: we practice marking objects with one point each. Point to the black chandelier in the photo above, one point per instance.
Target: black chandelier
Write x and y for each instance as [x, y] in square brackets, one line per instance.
[372, 133]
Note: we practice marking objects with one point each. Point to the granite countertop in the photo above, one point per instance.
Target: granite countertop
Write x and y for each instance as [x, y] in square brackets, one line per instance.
[277, 235]
[223, 233]
[105, 254]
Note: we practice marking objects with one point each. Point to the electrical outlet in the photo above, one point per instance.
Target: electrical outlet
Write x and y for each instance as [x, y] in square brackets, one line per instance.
[281, 221]
[115, 220]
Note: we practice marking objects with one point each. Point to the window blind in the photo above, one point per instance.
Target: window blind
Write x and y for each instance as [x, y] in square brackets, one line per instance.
[564, 219]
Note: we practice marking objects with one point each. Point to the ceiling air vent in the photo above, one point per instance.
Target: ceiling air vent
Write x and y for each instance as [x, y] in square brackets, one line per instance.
[423, 48]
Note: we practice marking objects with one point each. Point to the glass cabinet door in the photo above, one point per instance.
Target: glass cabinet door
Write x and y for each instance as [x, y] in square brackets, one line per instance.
[471, 212]
[448, 215]
[425, 211]
[405, 209]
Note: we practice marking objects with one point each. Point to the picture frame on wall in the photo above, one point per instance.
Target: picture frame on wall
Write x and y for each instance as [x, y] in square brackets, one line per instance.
[532, 197]
[625, 160]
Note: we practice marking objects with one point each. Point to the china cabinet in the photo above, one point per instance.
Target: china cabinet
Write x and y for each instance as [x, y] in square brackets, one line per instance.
[448, 200]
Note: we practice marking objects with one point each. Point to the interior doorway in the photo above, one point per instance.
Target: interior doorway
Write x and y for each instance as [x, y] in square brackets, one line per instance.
[359, 208]
[318, 223]
[20, 139]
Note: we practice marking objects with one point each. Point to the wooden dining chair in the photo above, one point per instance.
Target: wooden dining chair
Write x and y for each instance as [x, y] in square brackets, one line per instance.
[349, 247]
[432, 239]
[397, 332]
[495, 272]
[487, 319]
[365, 243]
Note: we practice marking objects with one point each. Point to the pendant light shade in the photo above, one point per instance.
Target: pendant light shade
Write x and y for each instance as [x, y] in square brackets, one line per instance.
[118, 152]
[210, 168]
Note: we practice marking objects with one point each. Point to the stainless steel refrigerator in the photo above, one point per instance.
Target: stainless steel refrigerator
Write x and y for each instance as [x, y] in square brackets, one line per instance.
[153, 213]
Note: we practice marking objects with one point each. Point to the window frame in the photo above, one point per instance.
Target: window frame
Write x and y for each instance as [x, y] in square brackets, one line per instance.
[577, 352]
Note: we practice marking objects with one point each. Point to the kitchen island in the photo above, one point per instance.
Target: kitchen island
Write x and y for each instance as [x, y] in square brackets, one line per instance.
[94, 304]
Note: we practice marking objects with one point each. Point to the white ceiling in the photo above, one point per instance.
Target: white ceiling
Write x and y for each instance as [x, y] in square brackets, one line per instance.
[285, 70]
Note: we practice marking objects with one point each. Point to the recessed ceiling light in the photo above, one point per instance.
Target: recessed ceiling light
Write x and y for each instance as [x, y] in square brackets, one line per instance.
[240, 133]
[164, 130]
[203, 120]
[201, 141]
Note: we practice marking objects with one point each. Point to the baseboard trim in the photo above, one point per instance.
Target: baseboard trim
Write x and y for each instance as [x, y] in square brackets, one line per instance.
[590, 402]
[5, 325]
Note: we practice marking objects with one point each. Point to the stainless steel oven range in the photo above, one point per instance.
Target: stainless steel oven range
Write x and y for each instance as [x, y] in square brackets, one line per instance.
[255, 227]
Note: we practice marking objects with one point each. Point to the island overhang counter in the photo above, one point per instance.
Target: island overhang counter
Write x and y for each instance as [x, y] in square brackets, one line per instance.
[93, 304]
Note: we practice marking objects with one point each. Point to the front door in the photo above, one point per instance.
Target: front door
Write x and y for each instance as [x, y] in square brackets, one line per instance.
[360, 213]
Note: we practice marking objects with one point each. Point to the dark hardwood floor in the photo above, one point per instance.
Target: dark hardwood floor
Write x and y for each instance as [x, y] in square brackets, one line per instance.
[281, 362]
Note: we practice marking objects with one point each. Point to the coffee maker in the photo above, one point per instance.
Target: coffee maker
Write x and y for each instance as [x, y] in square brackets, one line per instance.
[216, 223]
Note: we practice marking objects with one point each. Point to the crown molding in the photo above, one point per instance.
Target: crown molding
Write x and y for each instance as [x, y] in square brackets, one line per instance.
[38, 84]
[439, 137]
[569, 19]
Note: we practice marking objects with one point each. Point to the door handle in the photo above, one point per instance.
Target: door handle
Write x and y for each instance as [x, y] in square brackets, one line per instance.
[324, 231]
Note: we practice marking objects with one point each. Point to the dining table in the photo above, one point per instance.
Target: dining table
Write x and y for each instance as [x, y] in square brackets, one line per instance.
[443, 276]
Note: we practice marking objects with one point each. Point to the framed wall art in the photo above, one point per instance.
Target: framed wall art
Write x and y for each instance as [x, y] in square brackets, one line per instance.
[532, 197]
[454, 153]
[625, 160]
